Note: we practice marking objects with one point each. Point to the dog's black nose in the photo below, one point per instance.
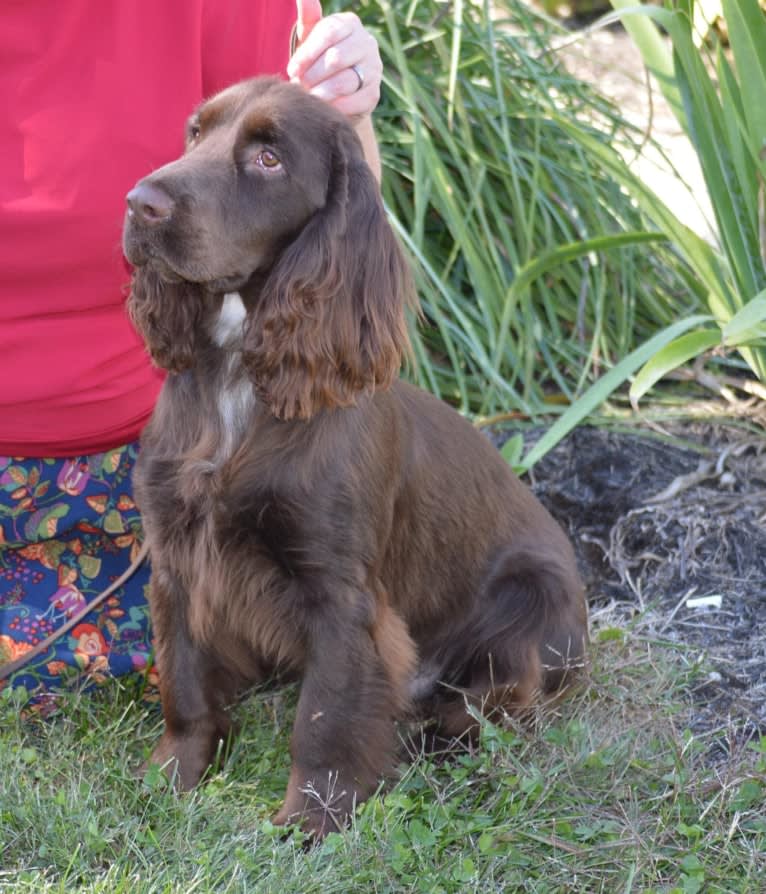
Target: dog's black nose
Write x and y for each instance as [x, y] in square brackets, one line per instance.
[150, 204]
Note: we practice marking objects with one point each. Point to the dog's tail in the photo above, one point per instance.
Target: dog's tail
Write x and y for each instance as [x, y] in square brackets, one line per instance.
[525, 642]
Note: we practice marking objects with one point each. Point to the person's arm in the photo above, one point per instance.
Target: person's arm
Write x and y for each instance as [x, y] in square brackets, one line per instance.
[338, 60]
[366, 133]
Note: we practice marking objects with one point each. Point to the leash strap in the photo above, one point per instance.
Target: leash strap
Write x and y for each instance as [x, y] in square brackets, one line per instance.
[11, 667]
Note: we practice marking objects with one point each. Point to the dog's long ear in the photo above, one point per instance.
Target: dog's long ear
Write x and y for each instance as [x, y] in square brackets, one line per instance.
[330, 323]
[168, 316]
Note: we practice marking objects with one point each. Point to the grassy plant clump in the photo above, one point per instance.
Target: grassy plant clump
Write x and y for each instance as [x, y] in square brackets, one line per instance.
[535, 269]
[723, 116]
[611, 793]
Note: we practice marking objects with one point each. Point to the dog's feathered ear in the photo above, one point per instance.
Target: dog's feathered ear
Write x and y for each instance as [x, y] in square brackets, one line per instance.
[330, 323]
[168, 316]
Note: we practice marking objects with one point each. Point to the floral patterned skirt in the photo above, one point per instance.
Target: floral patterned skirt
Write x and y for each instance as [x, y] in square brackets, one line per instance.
[69, 528]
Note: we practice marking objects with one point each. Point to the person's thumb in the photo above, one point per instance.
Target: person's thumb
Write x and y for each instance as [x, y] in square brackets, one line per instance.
[309, 13]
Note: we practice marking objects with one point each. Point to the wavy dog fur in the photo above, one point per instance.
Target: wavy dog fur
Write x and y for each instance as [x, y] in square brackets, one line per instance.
[307, 512]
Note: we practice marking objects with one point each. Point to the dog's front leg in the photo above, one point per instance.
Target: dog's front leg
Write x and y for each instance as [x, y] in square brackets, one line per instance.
[190, 687]
[344, 737]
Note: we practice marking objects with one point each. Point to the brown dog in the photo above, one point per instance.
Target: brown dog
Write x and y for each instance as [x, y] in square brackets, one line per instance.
[307, 512]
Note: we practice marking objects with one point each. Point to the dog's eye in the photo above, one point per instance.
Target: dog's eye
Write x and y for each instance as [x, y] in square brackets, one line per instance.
[268, 160]
[193, 132]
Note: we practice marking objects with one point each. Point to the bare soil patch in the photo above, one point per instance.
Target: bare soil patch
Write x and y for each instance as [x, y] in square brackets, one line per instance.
[672, 530]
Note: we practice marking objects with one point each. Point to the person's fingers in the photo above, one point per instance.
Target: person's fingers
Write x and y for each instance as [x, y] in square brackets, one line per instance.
[340, 63]
[325, 34]
[360, 48]
[343, 92]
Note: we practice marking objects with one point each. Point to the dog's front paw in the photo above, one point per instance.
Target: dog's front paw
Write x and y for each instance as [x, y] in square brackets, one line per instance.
[183, 759]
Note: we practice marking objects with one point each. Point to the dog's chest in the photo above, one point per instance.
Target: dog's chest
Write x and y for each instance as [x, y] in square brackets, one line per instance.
[241, 591]
[227, 326]
[234, 396]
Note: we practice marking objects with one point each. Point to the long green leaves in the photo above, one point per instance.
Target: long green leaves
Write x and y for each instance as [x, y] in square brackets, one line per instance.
[547, 270]
[536, 270]
[601, 390]
[725, 118]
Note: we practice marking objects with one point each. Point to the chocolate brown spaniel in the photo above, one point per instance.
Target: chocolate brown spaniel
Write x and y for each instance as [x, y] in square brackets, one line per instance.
[307, 512]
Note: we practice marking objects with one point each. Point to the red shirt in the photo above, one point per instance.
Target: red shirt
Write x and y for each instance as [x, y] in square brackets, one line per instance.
[94, 96]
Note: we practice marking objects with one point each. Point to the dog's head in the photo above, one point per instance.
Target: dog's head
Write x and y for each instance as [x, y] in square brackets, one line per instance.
[273, 199]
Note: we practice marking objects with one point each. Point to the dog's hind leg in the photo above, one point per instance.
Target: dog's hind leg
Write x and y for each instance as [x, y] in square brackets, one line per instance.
[525, 644]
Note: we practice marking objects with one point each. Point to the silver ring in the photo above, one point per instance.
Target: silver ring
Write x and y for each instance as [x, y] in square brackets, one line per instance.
[357, 69]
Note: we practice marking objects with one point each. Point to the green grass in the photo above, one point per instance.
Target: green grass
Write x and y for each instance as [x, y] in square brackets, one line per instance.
[610, 795]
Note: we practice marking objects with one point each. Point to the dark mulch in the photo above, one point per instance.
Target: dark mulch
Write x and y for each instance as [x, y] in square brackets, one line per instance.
[674, 531]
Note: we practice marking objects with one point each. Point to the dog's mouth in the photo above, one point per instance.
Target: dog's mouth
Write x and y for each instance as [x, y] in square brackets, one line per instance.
[157, 264]
[144, 253]
[216, 285]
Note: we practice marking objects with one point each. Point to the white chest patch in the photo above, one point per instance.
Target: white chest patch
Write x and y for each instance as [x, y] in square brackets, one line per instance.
[228, 327]
[235, 399]
[236, 396]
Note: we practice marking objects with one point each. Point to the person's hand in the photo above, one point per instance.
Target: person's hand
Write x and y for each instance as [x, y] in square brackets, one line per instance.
[336, 59]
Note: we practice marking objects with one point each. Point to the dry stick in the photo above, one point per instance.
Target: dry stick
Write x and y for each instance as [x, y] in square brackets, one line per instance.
[12, 666]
